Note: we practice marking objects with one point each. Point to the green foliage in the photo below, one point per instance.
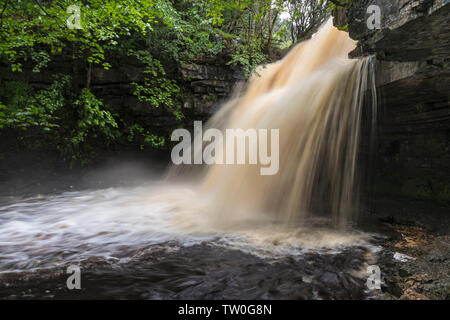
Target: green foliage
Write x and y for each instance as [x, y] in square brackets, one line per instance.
[28, 25]
[156, 89]
[136, 133]
[48, 117]
[93, 122]
[93, 119]
[305, 17]
[25, 109]
[33, 33]
[344, 28]
[160, 34]
[249, 57]
[40, 59]
[333, 4]
[191, 36]
[217, 8]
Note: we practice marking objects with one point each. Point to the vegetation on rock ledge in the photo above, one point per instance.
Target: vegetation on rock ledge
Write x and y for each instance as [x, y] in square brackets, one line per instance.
[69, 116]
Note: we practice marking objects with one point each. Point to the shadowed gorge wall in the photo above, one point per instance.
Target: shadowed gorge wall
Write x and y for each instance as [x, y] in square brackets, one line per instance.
[412, 51]
[204, 84]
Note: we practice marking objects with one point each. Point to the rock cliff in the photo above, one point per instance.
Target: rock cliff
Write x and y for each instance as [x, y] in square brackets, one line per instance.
[412, 49]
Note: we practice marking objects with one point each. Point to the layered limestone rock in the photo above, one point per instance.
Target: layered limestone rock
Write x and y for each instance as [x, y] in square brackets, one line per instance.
[204, 85]
[412, 50]
[209, 84]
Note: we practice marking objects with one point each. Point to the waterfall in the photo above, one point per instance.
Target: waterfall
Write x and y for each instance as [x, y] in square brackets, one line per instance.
[315, 97]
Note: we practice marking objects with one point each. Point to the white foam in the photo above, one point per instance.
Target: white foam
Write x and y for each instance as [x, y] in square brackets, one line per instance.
[115, 223]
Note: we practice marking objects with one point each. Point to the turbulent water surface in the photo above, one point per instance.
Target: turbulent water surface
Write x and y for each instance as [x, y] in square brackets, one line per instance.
[129, 245]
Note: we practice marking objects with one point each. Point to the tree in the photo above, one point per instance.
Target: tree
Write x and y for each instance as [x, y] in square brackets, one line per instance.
[306, 16]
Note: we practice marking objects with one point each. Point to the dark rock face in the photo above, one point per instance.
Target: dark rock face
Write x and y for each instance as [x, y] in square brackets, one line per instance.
[204, 85]
[412, 50]
[209, 84]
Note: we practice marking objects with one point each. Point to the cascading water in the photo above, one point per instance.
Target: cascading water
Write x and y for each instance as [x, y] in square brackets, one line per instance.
[314, 96]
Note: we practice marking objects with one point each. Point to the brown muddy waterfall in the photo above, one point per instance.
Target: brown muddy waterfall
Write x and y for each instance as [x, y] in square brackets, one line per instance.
[315, 96]
[227, 231]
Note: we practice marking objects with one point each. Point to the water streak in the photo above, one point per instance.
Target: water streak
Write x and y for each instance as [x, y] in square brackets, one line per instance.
[315, 97]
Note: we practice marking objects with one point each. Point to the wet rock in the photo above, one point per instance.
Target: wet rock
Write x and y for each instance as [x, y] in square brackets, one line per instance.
[412, 49]
[402, 257]
[403, 273]
[202, 272]
[329, 278]
[392, 288]
[437, 257]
